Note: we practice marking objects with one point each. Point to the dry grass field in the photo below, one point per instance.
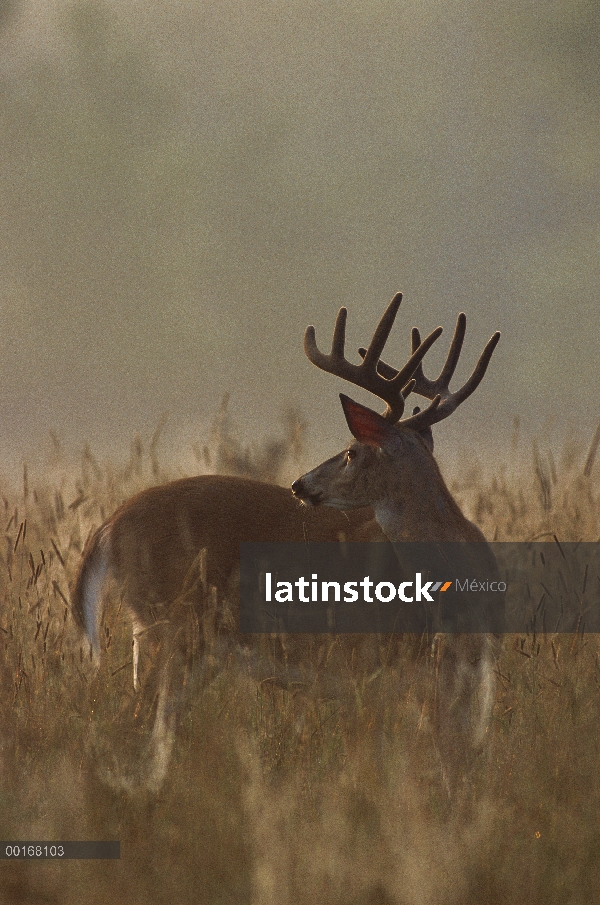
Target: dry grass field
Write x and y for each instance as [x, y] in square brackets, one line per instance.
[273, 796]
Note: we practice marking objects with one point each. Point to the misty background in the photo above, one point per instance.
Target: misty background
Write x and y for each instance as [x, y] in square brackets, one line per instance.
[184, 186]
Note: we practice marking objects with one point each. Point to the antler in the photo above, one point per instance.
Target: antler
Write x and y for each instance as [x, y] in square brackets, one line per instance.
[368, 375]
[444, 401]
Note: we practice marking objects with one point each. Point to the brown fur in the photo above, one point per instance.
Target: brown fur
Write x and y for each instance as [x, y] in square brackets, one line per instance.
[152, 540]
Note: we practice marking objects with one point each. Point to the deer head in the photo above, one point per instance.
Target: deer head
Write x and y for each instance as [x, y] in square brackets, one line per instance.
[387, 448]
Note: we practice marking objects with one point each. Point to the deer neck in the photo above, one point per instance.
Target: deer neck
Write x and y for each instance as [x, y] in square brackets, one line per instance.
[418, 507]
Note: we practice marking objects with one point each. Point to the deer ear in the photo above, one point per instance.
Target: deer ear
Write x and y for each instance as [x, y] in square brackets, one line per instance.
[425, 433]
[367, 426]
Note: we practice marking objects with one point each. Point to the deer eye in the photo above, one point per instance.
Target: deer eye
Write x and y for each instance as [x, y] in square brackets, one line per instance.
[350, 454]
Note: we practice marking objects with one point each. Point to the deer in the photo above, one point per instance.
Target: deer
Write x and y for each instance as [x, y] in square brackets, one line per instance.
[389, 466]
[385, 486]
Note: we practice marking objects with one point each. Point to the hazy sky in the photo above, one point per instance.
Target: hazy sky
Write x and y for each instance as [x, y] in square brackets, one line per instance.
[184, 186]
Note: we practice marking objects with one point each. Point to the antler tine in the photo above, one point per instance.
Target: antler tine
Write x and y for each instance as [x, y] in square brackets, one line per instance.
[339, 334]
[366, 374]
[382, 331]
[477, 376]
[430, 388]
[318, 358]
[444, 402]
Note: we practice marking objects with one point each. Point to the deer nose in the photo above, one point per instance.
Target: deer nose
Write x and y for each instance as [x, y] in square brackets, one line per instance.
[297, 487]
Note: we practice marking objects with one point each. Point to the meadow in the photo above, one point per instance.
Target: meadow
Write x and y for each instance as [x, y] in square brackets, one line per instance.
[272, 795]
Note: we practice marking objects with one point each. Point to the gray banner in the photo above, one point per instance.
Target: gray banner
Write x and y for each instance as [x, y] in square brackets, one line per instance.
[448, 587]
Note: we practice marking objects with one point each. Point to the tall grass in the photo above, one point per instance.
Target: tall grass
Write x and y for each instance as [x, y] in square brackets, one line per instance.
[272, 795]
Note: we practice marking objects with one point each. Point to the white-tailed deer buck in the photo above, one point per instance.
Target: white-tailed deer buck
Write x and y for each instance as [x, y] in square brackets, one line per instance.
[390, 466]
[148, 547]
